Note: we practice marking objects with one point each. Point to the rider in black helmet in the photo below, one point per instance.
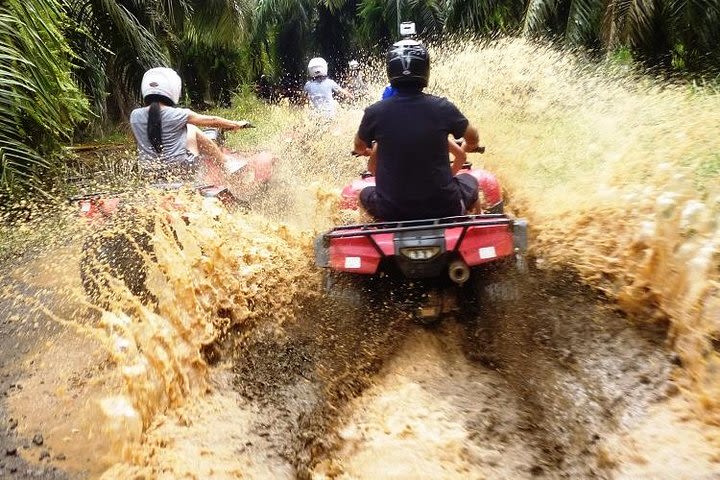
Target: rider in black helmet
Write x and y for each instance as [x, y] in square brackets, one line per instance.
[410, 157]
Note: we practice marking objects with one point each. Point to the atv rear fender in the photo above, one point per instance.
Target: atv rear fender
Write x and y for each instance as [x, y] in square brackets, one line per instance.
[476, 239]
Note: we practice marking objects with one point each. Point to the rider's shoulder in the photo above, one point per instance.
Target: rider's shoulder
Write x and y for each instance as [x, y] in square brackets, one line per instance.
[138, 112]
[437, 99]
[376, 107]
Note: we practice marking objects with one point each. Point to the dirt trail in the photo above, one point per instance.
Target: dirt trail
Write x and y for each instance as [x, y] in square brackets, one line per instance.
[433, 414]
[529, 387]
[553, 383]
[32, 290]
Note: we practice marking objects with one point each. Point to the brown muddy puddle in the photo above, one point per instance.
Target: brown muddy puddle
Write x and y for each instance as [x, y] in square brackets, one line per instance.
[557, 384]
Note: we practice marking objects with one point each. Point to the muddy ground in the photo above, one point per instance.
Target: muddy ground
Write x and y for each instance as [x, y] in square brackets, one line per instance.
[522, 384]
[554, 370]
[22, 330]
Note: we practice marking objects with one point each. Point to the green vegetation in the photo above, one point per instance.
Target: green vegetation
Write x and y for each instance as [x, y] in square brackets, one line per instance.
[71, 68]
[40, 104]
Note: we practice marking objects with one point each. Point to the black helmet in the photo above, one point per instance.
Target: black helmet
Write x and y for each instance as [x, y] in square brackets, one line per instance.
[408, 64]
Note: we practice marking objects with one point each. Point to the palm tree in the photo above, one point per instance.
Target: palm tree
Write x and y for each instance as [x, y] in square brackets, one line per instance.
[284, 29]
[379, 19]
[665, 31]
[576, 21]
[681, 33]
[482, 17]
[120, 39]
[40, 104]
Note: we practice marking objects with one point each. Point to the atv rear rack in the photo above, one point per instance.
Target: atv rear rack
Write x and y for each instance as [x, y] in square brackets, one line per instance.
[415, 225]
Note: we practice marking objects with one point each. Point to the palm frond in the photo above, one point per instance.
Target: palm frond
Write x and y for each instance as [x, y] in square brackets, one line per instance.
[39, 102]
[539, 15]
[584, 22]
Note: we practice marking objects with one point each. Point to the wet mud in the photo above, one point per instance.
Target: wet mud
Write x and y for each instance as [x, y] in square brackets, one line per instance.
[25, 328]
[554, 371]
[581, 369]
[538, 376]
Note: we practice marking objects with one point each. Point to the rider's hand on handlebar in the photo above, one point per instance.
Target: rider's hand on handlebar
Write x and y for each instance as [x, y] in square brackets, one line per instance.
[240, 124]
[365, 153]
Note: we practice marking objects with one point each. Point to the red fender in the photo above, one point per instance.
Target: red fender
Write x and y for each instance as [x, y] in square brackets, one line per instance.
[487, 183]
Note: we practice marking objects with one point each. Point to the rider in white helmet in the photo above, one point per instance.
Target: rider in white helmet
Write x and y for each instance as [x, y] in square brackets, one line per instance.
[320, 88]
[356, 82]
[168, 138]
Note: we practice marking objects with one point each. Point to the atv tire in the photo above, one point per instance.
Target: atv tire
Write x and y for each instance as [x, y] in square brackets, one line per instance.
[340, 286]
[116, 255]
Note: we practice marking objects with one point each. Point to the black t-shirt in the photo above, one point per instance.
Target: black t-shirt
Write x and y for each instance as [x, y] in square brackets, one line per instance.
[413, 177]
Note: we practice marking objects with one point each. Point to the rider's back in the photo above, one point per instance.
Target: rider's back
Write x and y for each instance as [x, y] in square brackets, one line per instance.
[320, 93]
[174, 132]
[413, 177]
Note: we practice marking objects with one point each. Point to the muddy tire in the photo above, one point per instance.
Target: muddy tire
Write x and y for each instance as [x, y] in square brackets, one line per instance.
[503, 288]
[497, 287]
[117, 255]
[429, 311]
[343, 287]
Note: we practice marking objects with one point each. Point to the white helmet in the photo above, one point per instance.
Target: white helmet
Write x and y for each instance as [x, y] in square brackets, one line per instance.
[353, 64]
[162, 81]
[317, 67]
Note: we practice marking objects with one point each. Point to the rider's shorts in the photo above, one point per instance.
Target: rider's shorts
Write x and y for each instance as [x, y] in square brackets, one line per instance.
[469, 190]
[467, 187]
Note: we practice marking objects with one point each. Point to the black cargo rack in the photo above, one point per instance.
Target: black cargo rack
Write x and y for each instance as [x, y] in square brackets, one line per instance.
[415, 225]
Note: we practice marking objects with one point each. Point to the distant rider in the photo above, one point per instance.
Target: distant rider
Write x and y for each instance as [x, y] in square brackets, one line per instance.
[410, 157]
[320, 88]
[169, 141]
[356, 82]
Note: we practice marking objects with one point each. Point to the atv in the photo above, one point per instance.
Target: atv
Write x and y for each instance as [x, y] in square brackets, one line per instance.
[120, 234]
[438, 258]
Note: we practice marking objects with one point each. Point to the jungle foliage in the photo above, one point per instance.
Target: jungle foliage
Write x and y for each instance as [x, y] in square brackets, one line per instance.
[72, 67]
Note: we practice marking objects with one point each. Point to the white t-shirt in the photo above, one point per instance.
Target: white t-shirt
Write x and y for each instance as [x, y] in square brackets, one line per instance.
[320, 93]
[174, 132]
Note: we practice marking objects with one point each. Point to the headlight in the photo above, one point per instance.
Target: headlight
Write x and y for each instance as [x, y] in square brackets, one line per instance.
[420, 253]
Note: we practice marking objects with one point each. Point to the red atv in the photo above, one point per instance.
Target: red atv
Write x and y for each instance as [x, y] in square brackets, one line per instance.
[437, 254]
[120, 240]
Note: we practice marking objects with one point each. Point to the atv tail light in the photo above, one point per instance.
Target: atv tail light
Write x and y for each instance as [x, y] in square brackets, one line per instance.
[420, 253]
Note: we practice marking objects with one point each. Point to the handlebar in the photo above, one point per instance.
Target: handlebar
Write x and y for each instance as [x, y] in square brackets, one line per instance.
[478, 149]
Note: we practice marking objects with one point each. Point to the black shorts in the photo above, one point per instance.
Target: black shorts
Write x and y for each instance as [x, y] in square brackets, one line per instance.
[467, 188]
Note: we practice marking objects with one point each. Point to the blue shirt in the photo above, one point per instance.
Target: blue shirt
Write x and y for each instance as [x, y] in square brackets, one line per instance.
[388, 92]
[320, 93]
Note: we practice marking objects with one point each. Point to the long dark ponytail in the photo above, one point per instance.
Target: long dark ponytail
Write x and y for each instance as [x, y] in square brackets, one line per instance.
[154, 125]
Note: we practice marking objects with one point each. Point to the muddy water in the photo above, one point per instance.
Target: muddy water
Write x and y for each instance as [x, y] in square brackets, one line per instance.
[618, 173]
[235, 366]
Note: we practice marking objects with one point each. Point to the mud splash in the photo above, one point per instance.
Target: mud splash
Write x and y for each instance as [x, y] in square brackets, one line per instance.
[618, 173]
[209, 272]
[216, 274]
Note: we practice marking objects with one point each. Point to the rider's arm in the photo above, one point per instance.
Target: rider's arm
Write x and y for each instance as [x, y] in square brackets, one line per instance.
[372, 160]
[342, 91]
[471, 137]
[361, 148]
[459, 156]
[365, 136]
[213, 121]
